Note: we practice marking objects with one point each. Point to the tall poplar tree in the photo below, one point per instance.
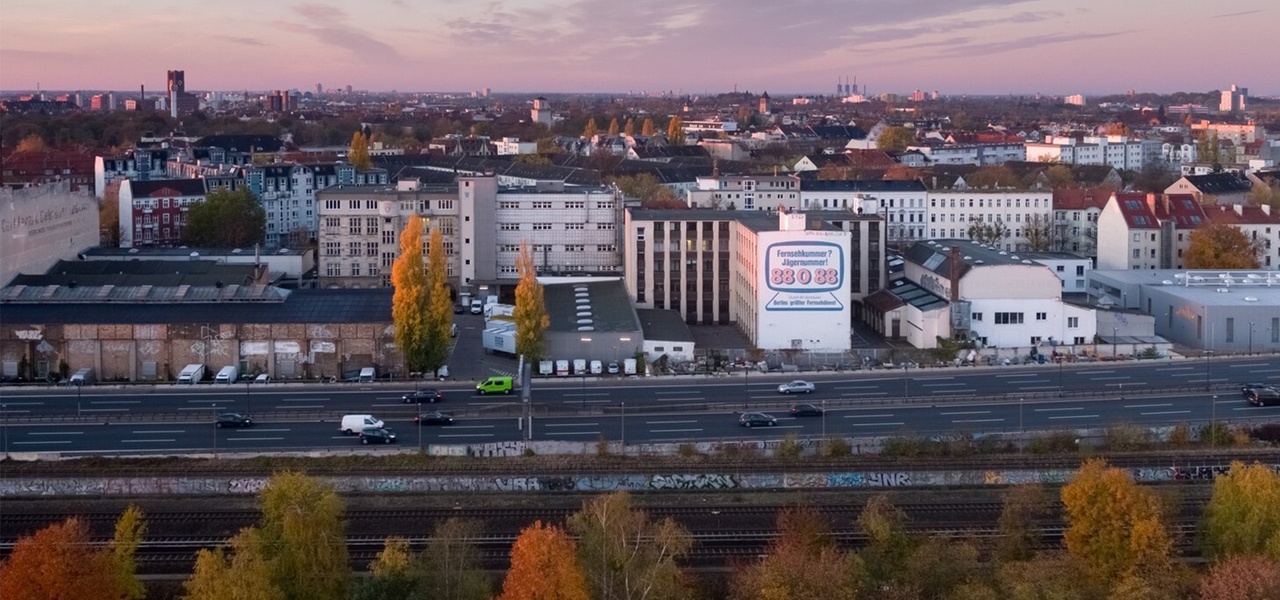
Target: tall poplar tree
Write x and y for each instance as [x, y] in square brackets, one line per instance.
[647, 128]
[630, 128]
[675, 131]
[531, 309]
[439, 306]
[358, 153]
[590, 130]
[409, 306]
[613, 126]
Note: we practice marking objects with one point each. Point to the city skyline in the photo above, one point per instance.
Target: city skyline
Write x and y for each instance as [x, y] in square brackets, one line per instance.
[986, 47]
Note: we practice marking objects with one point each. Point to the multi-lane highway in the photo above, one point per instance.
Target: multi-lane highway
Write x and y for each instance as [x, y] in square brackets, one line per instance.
[173, 419]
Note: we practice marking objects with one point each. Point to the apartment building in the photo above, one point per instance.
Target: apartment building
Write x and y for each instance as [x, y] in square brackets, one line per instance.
[1119, 152]
[745, 192]
[571, 231]
[1146, 231]
[1258, 223]
[951, 211]
[902, 204]
[972, 154]
[359, 236]
[1075, 219]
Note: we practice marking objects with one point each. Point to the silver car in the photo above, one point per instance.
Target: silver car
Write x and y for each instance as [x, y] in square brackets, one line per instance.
[798, 386]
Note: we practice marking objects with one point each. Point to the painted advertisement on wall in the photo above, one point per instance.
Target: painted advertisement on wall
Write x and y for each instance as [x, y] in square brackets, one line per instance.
[803, 290]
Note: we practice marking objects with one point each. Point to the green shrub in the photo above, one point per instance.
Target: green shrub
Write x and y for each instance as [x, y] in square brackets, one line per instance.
[1126, 437]
[790, 447]
[835, 448]
[688, 450]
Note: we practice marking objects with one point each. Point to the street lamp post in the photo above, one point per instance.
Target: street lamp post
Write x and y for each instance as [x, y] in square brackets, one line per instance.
[745, 389]
[1114, 332]
[1250, 338]
[622, 425]
[4, 433]
[78, 387]
[1207, 354]
[906, 383]
[1061, 359]
[248, 407]
[215, 430]
[1213, 422]
[1021, 432]
[824, 421]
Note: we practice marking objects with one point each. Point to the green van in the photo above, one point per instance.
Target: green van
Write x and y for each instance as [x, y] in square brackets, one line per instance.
[495, 385]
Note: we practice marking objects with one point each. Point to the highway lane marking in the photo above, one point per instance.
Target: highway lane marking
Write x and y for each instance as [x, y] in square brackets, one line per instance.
[941, 384]
[588, 401]
[1109, 378]
[148, 441]
[48, 442]
[1037, 387]
[669, 422]
[967, 412]
[1075, 417]
[764, 397]
[471, 426]
[1227, 401]
[467, 435]
[1101, 372]
[953, 392]
[1148, 405]
[674, 430]
[1187, 375]
[104, 410]
[151, 431]
[1241, 408]
[689, 399]
[265, 430]
[571, 425]
[576, 433]
[1166, 412]
[879, 407]
[6, 411]
[877, 424]
[203, 408]
[24, 404]
[254, 439]
[856, 387]
[977, 420]
[300, 400]
[1059, 409]
[578, 395]
[1249, 365]
[400, 398]
[56, 433]
[885, 416]
[278, 407]
[1176, 369]
[115, 402]
[390, 405]
[1020, 375]
[851, 394]
[788, 427]
[676, 392]
[936, 379]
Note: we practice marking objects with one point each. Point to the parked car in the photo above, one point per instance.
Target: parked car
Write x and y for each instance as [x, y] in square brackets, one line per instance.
[1249, 387]
[459, 309]
[798, 386]
[231, 419]
[377, 435]
[805, 410]
[262, 378]
[613, 367]
[428, 395]
[477, 306]
[434, 417]
[756, 419]
[1262, 396]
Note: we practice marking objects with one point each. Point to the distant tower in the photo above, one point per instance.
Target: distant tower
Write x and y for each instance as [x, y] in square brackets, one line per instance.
[1233, 99]
[177, 86]
[764, 103]
[541, 111]
[839, 86]
[319, 89]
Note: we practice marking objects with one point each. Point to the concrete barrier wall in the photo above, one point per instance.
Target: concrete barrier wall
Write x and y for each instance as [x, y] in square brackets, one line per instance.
[179, 486]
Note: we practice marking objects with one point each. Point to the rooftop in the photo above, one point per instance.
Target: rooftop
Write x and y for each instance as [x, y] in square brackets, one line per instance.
[583, 305]
[150, 273]
[300, 306]
[664, 325]
[935, 255]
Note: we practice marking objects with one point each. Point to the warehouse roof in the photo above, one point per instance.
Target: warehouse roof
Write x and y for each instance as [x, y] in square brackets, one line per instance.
[583, 305]
[299, 306]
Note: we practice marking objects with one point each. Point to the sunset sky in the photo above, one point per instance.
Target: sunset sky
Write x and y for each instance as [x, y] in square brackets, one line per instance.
[692, 46]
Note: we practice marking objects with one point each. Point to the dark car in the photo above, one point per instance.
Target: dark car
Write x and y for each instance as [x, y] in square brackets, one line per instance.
[757, 419]
[1249, 387]
[805, 410]
[459, 309]
[434, 417]
[232, 420]
[377, 435]
[423, 395]
[1262, 396]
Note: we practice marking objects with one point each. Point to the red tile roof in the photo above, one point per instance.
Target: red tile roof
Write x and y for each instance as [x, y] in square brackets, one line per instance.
[1240, 214]
[1137, 213]
[1080, 198]
[1183, 209]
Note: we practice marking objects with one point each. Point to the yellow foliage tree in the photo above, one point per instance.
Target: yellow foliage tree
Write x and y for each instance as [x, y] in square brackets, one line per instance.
[590, 131]
[409, 306]
[613, 126]
[895, 139]
[439, 304]
[1222, 247]
[302, 530]
[358, 152]
[244, 573]
[802, 563]
[675, 131]
[625, 555]
[394, 559]
[1243, 517]
[646, 128]
[1242, 578]
[630, 128]
[131, 528]
[544, 566]
[1115, 527]
[530, 312]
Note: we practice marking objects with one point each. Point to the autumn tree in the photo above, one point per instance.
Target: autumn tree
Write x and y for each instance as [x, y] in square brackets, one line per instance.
[131, 528]
[226, 218]
[1060, 176]
[1039, 232]
[31, 144]
[613, 126]
[1046, 577]
[59, 562]
[1242, 578]
[410, 302]
[1023, 505]
[453, 565]
[888, 543]
[439, 304]
[1243, 516]
[544, 566]
[802, 563]
[1208, 149]
[391, 573]
[895, 139]
[1265, 195]
[530, 313]
[675, 131]
[1114, 527]
[625, 555]
[358, 152]
[630, 128]
[1221, 246]
[243, 572]
[987, 232]
[590, 131]
[646, 128]
[302, 529]
[650, 192]
[994, 177]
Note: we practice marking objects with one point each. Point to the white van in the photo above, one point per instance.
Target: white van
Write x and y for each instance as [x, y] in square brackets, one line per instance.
[367, 375]
[191, 374]
[597, 367]
[579, 366]
[353, 424]
[82, 377]
[562, 368]
[227, 374]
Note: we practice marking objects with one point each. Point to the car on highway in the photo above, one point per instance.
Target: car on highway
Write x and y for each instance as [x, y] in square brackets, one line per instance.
[1249, 387]
[1262, 396]
[423, 395]
[798, 386]
[805, 410]
[757, 419]
[434, 417]
[231, 419]
[377, 435]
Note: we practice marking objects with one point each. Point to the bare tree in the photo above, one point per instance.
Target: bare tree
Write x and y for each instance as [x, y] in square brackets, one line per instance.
[1039, 233]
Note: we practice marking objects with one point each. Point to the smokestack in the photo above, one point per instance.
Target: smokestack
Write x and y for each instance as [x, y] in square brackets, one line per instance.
[142, 92]
[956, 259]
